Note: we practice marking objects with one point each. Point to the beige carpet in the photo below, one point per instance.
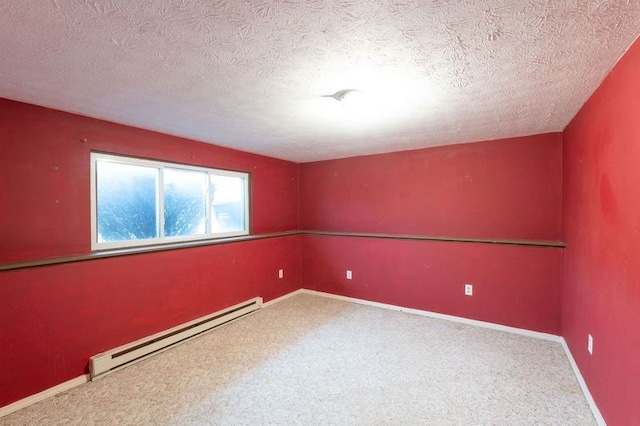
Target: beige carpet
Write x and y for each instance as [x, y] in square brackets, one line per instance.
[311, 360]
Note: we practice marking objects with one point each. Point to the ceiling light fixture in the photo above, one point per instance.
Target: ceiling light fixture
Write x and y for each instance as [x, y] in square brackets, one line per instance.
[347, 97]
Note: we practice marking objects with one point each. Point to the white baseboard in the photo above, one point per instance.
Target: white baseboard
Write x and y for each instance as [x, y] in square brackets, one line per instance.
[281, 298]
[583, 385]
[462, 320]
[41, 396]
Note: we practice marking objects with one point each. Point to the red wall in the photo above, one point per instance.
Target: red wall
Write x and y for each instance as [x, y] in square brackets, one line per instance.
[500, 189]
[53, 318]
[514, 286]
[601, 285]
[509, 189]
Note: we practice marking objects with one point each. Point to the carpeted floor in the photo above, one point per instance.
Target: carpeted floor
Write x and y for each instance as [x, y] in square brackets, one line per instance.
[312, 360]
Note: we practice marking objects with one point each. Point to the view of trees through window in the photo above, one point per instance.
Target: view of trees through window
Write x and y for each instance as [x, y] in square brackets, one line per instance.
[127, 202]
[185, 206]
[140, 200]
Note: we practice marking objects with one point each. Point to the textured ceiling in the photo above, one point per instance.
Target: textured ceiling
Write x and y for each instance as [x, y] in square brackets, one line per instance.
[250, 74]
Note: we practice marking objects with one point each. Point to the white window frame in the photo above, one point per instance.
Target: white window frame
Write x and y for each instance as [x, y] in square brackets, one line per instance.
[161, 239]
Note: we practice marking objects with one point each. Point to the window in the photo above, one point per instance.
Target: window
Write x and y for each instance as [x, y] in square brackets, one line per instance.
[140, 202]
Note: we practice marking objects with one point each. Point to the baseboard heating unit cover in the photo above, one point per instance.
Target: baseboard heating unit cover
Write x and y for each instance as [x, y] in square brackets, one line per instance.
[130, 353]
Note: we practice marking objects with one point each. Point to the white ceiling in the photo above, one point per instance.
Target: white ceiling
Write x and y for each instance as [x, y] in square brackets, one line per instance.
[250, 74]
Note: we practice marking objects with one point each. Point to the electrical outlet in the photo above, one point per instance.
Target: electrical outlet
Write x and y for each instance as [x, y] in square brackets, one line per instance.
[349, 275]
[281, 273]
[590, 345]
[468, 289]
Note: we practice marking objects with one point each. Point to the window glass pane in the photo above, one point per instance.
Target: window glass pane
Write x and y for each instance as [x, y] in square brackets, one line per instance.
[227, 203]
[127, 201]
[140, 202]
[184, 202]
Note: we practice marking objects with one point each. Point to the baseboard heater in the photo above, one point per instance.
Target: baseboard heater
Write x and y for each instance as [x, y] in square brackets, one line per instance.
[133, 352]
